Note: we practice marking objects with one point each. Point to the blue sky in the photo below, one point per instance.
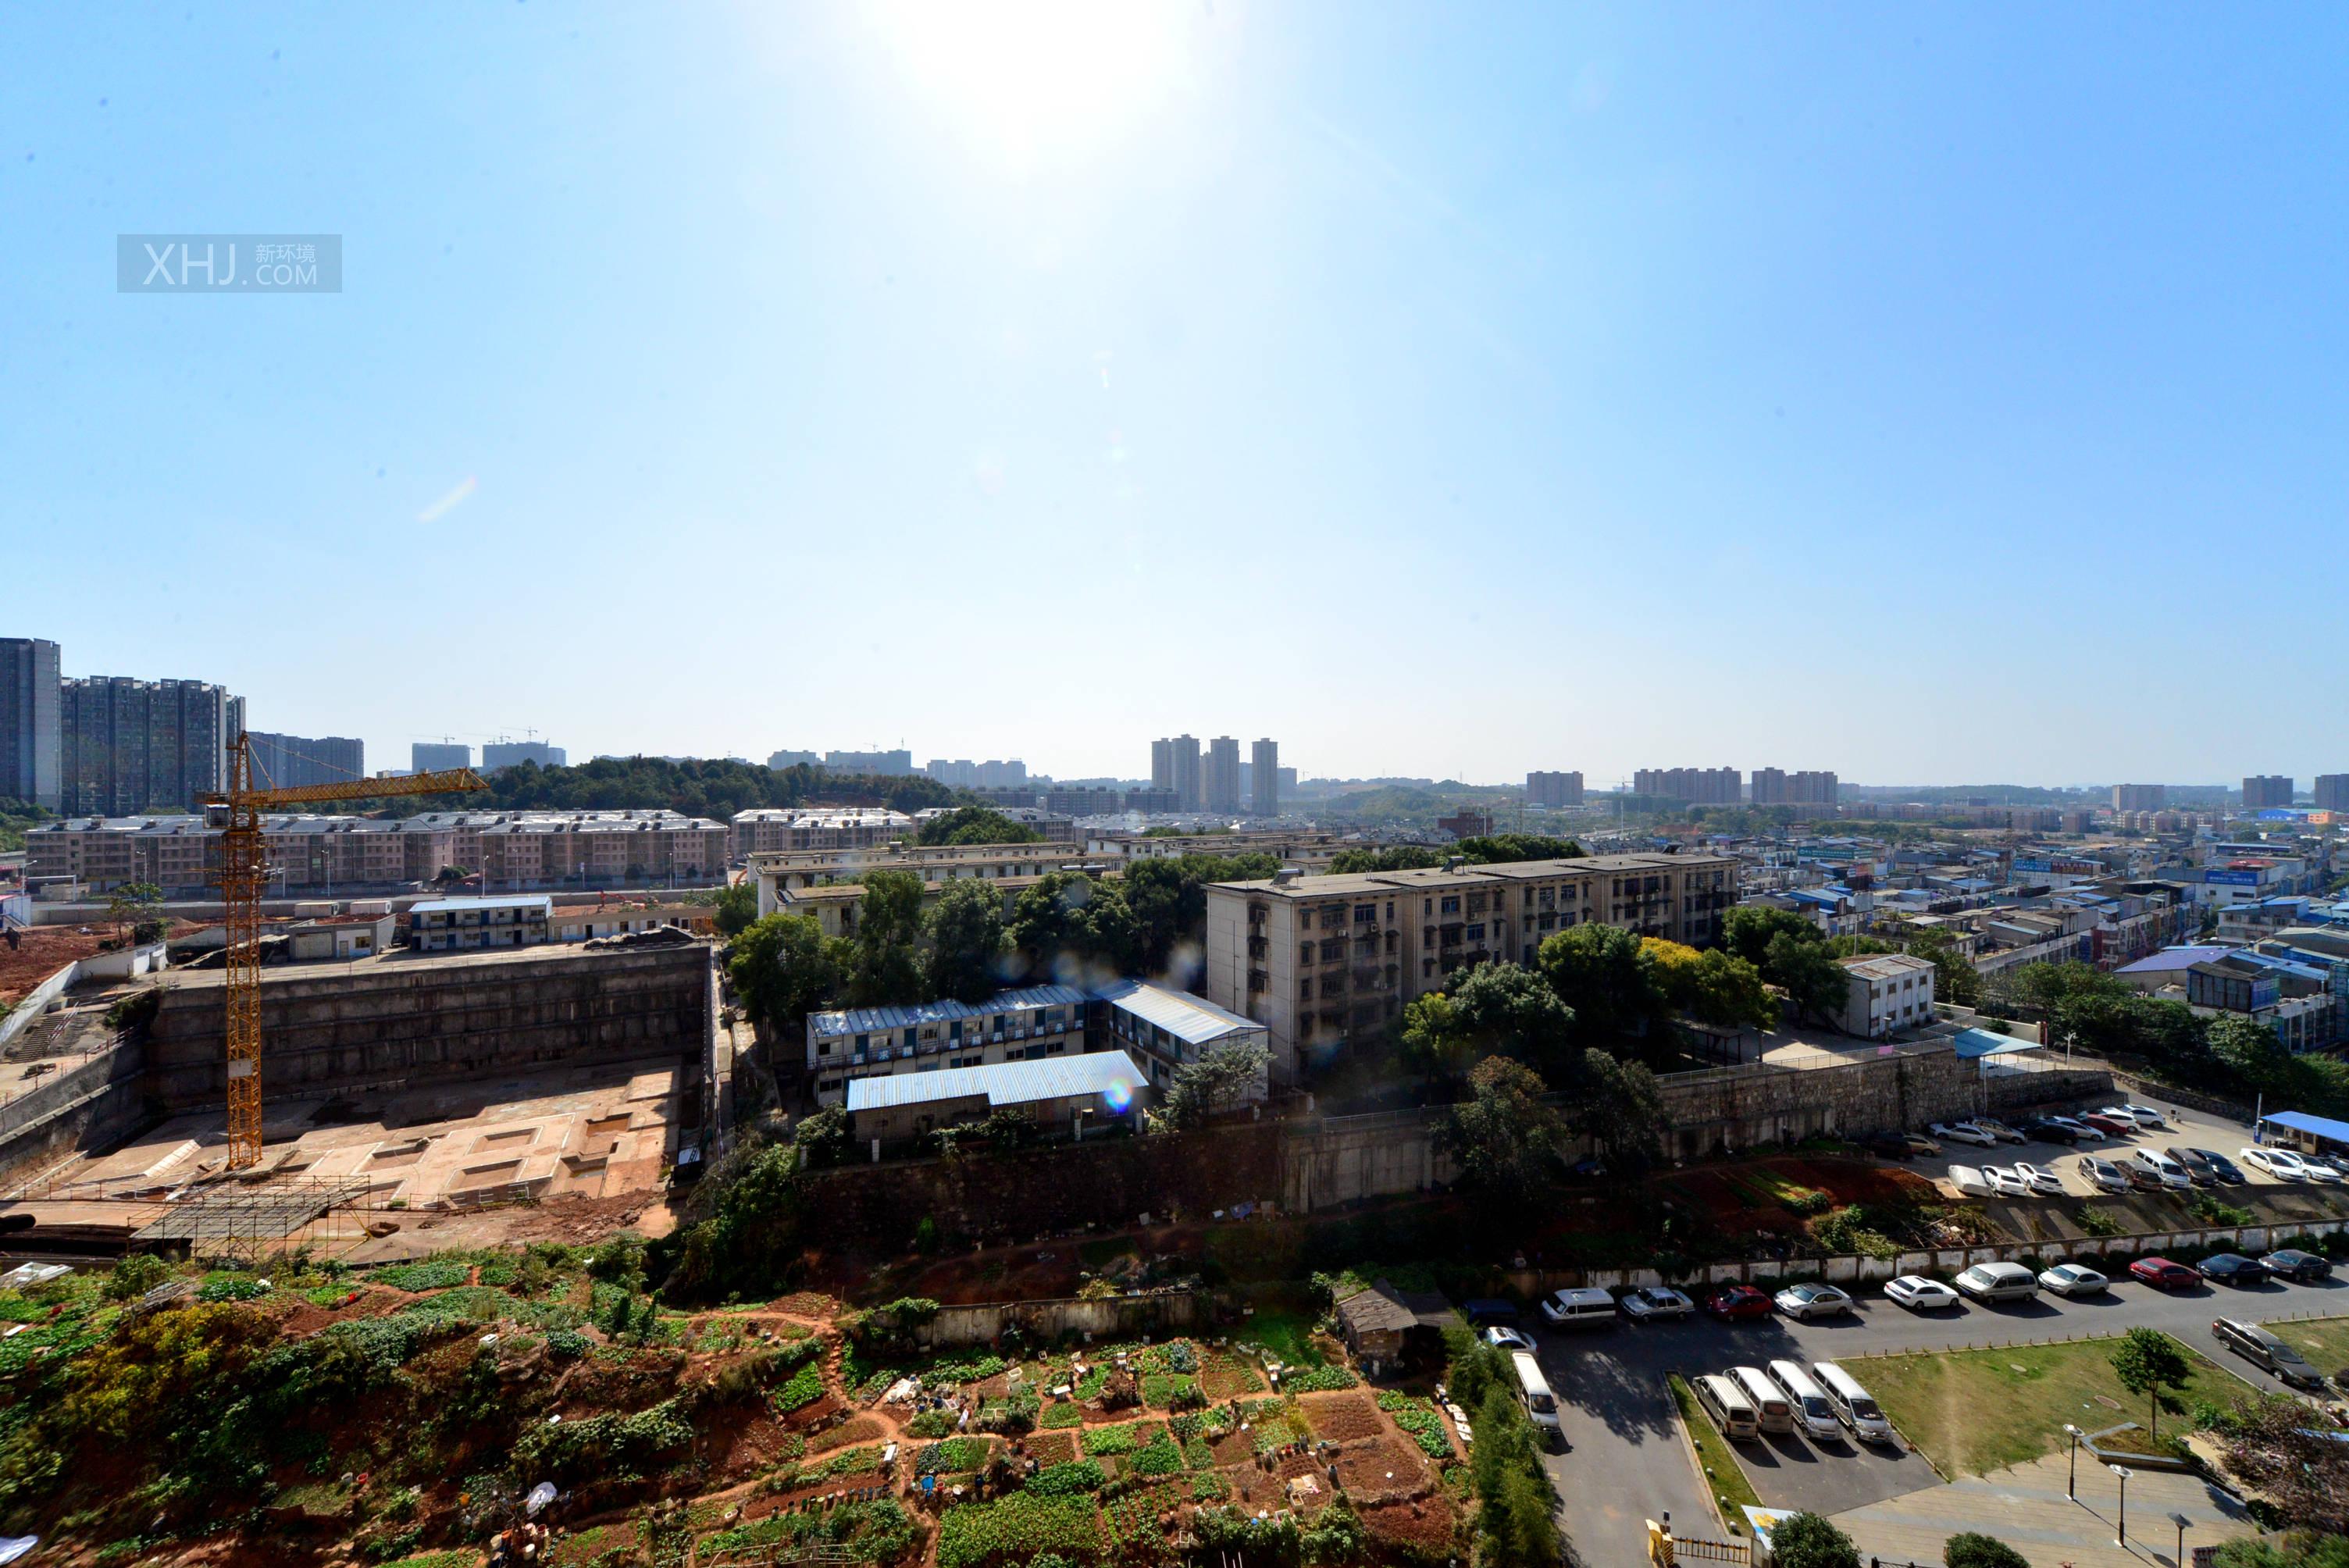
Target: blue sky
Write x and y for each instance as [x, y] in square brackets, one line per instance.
[1928, 393]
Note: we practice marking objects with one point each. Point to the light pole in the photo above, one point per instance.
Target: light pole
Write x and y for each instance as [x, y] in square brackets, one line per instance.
[2121, 1536]
[2180, 1521]
[2072, 1481]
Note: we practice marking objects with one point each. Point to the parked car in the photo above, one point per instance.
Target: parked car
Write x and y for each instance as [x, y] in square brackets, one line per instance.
[2293, 1263]
[2108, 1124]
[2233, 1268]
[2320, 1171]
[2103, 1174]
[1654, 1304]
[2198, 1168]
[1963, 1133]
[2072, 1279]
[1735, 1303]
[2052, 1129]
[1970, 1182]
[2143, 1178]
[2264, 1350]
[1502, 1336]
[2081, 1131]
[2226, 1169]
[2039, 1179]
[2005, 1182]
[1588, 1307]
[2164, 1274]
[1998, 1282]
[2000, 1130]
[1805, 1302]
[2163, 1169]
[2281, 1163]
[1918, 1294]
[1899, 1145]
[2142, 1115]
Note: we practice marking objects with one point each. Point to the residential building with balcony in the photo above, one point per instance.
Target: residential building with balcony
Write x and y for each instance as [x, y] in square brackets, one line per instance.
[2266, 789]
[454, 925]
[1325, 960]
[1031, 1024]
[1165, 1029]
[768, 828]
[1552, 789]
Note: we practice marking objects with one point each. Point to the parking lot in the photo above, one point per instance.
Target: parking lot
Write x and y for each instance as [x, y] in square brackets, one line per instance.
[2185, 1129]
[1626, 1460]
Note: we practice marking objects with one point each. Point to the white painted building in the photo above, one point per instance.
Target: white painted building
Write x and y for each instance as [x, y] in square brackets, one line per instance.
[1891, 993]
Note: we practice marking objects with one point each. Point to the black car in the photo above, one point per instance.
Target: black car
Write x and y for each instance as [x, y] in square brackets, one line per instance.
[2294, 1264]
[2196, 1164]
[2233, 1268]
[2048, 1131]
[2226, 1169]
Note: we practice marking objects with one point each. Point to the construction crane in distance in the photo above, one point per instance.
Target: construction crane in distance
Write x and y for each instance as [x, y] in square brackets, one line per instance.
[245, 868]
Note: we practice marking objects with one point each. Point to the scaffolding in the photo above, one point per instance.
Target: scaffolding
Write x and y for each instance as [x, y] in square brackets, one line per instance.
[241, 1222]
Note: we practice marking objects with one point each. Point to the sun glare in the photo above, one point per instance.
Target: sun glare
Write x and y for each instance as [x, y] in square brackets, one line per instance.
[1031, 81]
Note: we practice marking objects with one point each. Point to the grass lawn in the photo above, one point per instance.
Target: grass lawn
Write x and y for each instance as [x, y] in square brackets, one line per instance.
[2323, 1340]
[1724, 1479]
[1974, 1411]
[1288, 1335]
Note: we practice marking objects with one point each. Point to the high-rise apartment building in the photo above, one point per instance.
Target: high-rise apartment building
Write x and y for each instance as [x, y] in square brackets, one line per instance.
[2333, 792]
[1697, 786]
[1224, 776]
[129, 746]
[1162, 765]
[999, 775]
[2140, 796]
[433, 755]
[887, 764]
[787, 758]
[499, 754]
[1264, 767]
[1776, 787]
[2266, 789]
[1552, 789]
[1190, 783]
[31, 743]
[957, 771]
[291, 761]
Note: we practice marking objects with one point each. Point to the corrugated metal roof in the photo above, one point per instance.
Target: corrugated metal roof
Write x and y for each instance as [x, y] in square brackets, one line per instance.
[1109, 1074]
[864, 1021]
[1988, 1043]
[2170, 958]
[505, 901]
[1192, 1019]
[2319, 1126]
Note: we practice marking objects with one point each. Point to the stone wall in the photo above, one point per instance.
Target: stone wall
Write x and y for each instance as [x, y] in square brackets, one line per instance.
[328, 1029]
[1154, 1315]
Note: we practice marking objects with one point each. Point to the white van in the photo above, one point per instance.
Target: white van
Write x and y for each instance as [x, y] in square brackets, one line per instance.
[1998, 1282]
[1814, 1412]
[1853, 1406]
[1770, 1407]
[1588, 1309]
[1722, 1400]
[2169, 1171]
[1533, 1392]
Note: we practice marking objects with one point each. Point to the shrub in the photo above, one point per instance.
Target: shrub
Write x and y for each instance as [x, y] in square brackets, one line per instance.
[432, 1273]
[1807, 1540]
[805, 1388]
[1159, 1457]
[1315, 1380]
[1969, 1549]
[931, 1424]
[135, 1274]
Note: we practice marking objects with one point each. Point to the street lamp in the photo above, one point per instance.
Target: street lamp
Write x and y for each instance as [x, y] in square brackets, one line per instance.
[2072, 1481]
[2121, 1537]
[2180, 1521]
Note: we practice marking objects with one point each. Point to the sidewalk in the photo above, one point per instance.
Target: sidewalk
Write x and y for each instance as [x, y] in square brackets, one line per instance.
[2026, 1508]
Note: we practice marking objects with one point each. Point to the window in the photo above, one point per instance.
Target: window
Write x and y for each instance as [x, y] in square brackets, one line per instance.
[1451, 904]
[1476, 932]
[1366, 914]
[824, 1048]
[1304, 952]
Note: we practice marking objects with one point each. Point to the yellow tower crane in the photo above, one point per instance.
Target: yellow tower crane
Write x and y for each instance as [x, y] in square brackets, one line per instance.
[244, 870]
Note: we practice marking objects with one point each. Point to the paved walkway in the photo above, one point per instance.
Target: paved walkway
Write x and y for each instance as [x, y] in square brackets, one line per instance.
[2026, 1508]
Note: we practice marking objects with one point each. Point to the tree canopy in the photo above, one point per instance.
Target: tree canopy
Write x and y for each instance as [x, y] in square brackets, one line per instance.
[1069, 928]
[1502, 1137]
[1224, 1078]
[1599, 972]
[2146, 1361]
[885, 968]
[969, 953]
[976, 825]
[698, 787]
[783, 967]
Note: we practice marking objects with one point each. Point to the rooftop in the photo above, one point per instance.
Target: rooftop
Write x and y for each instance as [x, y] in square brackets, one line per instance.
[863, 1020]
[1885, 966]
[1109, 1074]
[1192, 1019]
[537, 900]
[1356, 883]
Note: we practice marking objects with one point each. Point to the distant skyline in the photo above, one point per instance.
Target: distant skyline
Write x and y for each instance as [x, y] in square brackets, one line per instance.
[1926, 393]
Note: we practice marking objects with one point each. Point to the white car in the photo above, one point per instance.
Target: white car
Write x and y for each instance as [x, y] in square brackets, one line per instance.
[2006, 1181]
[1918, 1294]
[1810, 1301]
[1971, 1183]
[1504, 1338]
[2071, 1279]
[2103, 1173]
[2142, 1115]
[1963, 1133]
[2039, 1179]
[2081, 1130]
[1997, 1129]
[1654, 1303]
[2280, 1163]
[2318, 1171]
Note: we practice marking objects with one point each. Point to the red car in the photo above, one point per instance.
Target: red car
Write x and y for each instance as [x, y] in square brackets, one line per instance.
[2163, 1274]
[1732, 1302]
[2110, 1126]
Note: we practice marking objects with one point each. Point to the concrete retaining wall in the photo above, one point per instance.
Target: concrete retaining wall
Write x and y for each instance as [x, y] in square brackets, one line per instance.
[84, 1107]
[1111, 1317]
[399, 1020]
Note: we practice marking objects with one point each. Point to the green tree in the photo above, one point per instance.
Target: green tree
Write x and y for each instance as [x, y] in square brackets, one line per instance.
[1069, 925]
[737, 907]
[1502, 1137]
[1393, 858]
[1955, 978]
[1714, 986]
[1807, 1540]
[2148, 1361]
[783, 966]
[1433, 1042]
[1503, 1009]
[1509, 849]
[885, 968]
[1224, 1078]
[1815, 984]
[1168, 898]
[969, 952]
[978, 825]
[1750, 929]
[1597, 971]
[1969, 1549]
[1619, 1109]
[749, 1242]
[139, 907]
[2251, 1052]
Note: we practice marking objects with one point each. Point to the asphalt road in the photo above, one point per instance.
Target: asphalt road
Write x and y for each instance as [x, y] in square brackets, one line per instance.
[1626, 1459]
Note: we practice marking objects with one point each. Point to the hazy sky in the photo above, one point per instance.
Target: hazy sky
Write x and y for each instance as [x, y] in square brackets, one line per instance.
[1926, 393]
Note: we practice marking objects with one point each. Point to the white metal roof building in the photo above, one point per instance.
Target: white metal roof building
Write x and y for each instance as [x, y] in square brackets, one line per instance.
[848, 1045]
[1170, 1028]
[1103, 1085]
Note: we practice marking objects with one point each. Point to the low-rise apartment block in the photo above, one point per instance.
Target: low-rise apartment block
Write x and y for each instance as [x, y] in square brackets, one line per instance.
[766, 829]
[1891, 994]
[454, 925]
[781, 873]
[1030, 1024]
[1166, 1029]
[1323, 961]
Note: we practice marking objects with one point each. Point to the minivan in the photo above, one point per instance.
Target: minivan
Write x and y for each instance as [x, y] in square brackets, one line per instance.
[2170, 1171]
[1853, 1406]
[1589, 1308]
[1722, 1400]
[1814, 1412]
[1998, 1282]
[1533, 1392]
[1771, 1408]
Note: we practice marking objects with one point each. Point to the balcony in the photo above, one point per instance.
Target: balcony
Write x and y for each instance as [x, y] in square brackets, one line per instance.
[1258, 947]
[1257, 980]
